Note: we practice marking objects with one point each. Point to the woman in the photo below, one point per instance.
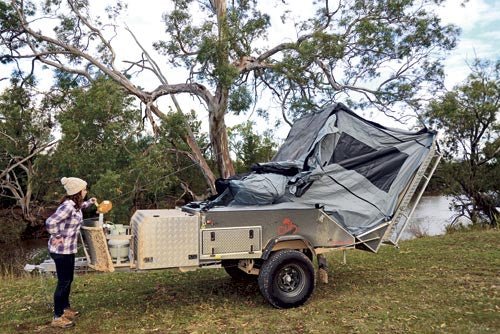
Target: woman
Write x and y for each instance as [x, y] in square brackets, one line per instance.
[63, 227]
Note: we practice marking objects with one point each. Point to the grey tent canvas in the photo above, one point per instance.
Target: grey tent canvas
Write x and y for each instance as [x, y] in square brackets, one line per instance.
[353, 168]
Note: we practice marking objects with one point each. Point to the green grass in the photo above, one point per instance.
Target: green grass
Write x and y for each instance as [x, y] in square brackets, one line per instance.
[446, 284]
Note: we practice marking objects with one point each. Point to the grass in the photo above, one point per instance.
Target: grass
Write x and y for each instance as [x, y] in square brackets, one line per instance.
[444, 284]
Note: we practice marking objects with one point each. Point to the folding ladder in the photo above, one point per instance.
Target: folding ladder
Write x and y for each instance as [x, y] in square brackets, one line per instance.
[405, 211]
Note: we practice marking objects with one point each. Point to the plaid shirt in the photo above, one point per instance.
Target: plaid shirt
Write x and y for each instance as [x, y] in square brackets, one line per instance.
[65, 223]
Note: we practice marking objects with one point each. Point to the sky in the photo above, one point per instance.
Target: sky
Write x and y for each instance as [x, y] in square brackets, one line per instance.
[479, 21]
[480, 24]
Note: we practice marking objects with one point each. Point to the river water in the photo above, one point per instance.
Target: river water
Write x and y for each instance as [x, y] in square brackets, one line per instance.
[431, 217]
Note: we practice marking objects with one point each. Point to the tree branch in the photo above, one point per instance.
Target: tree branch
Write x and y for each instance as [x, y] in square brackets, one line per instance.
[191, 88]
[40, 149]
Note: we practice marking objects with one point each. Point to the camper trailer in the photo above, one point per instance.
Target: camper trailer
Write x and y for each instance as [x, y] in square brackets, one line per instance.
[338, 182]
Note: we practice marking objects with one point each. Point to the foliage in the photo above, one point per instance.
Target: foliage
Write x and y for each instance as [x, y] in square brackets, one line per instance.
[172, 145]
[250, 147]
[97, 126]
[468, 115]
[445, 284]
[10, 228]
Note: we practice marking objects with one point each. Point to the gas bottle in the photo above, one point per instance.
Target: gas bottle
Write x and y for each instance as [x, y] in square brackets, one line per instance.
[118, 248]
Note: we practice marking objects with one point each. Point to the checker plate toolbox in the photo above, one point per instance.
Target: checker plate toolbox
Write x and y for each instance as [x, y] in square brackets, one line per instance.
[230, 241]
[165, 239]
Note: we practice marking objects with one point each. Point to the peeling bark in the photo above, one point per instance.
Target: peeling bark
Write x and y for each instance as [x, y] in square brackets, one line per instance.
[218, 136]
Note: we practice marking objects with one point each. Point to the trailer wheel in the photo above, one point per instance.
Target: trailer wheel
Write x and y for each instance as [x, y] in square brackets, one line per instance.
[231, 268]
[287, 279]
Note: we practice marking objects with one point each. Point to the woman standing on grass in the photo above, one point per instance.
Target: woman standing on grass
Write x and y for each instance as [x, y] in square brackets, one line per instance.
[63, 227]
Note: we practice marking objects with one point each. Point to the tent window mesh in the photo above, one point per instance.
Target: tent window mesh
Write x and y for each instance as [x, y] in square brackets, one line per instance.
[380, 167]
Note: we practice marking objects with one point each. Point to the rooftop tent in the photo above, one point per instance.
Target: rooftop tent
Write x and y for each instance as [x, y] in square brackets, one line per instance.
[354, 168]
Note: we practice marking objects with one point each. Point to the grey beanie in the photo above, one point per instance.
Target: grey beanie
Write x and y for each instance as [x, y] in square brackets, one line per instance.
[73, 185]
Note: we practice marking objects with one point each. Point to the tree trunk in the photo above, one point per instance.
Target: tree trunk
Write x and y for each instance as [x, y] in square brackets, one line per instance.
[24, 199]
[27, 214]
[220, 142]
[217, 110]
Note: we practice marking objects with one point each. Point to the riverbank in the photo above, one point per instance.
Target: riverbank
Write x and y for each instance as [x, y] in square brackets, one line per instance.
[441, 284]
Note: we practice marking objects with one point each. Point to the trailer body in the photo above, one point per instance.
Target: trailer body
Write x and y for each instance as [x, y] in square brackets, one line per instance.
[339, 182]
[174, 238]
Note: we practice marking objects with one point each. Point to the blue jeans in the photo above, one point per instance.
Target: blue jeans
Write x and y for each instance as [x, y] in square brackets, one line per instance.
[65, 268]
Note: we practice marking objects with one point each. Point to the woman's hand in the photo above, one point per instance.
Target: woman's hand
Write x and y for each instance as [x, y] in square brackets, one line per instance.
[93, 200]
[56, 240]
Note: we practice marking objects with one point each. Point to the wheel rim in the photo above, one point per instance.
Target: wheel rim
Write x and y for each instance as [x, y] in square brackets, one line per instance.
[290, 279]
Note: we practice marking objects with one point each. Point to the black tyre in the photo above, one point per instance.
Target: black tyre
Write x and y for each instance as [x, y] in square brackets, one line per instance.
[287, 279]
[231, 268]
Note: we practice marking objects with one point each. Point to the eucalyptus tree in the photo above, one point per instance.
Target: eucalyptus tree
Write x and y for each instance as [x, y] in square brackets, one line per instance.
[24, 136]
[470, 118]
[377, 52]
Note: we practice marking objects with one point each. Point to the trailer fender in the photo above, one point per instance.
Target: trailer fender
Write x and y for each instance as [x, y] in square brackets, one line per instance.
[289, 242]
